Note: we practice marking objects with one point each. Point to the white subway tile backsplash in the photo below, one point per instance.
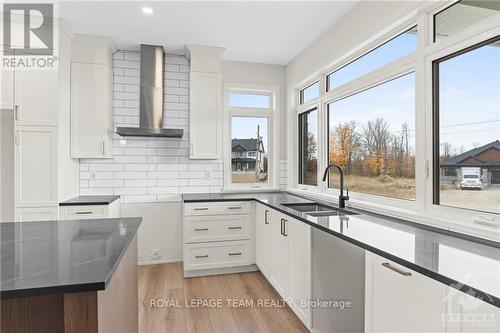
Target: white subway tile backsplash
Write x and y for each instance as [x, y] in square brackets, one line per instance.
[150, 169]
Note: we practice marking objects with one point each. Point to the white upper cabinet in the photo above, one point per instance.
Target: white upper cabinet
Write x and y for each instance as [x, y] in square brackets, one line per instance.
[398, 299]
[91, 97]
[90, 110]
[35, 163]
[205, 102]
[36, 97]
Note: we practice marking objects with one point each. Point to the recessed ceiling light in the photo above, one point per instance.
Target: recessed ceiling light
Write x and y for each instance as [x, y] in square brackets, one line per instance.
[147, 10]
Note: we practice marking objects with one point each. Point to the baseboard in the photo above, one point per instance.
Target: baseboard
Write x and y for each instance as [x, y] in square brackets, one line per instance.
[156, 262]
[219, 271]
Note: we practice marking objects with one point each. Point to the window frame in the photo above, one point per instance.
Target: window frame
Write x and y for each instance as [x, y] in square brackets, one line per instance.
[299, 167]
[272, 115]
[422, 210]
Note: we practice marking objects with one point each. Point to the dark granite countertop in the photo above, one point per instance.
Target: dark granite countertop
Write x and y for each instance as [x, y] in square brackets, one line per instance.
[90, 200]
[464, 262]
[46, 257]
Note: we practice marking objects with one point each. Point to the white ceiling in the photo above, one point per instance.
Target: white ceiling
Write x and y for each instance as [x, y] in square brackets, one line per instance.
[261, 32]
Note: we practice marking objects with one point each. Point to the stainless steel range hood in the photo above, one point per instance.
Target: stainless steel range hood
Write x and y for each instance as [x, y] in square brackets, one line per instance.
[151, 97]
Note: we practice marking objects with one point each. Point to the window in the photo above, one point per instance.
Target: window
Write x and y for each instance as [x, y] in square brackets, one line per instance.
[309, 93]
[394, 49]
[308, 148]
[249, 134]
[371, 135]
[467, 128]
[249, 100]
[462, 15]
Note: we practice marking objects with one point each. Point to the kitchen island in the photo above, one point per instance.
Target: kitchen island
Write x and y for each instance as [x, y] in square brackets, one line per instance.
[69, 276]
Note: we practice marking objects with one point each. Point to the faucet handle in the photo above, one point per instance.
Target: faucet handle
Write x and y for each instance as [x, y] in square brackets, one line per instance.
[347, 196]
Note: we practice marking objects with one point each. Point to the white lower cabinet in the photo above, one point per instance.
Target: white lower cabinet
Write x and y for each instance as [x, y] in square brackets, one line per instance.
[284, 257]
[398, 299]
[85, 212]
[263, 239]
[468, 314]
[218, 238]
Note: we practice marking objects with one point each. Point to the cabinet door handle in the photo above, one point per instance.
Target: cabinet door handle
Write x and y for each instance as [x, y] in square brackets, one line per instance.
[235, 254]
[235, 207]
[201, 229]
[285, 232]
[203, 256]
[84, 213]
[395, 269]
[103, 147]
[204, 208]
[16, 112]
[282, 226]
[266, 217]
[234, 228]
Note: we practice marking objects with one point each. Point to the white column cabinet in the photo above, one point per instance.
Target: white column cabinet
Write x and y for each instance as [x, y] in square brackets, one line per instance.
[398, 299]
[36, 97]
[35, 165]
[91, 133]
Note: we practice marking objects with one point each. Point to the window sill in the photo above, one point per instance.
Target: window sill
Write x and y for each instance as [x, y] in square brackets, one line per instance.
[463, 226]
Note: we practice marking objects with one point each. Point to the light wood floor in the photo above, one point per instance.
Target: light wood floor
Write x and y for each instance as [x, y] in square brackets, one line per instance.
[166, 281]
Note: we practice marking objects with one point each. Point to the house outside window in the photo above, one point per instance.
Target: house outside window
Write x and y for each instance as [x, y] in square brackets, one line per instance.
[249, 138]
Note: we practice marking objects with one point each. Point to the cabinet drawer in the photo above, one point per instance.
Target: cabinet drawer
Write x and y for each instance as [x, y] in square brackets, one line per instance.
[83, 212]
[216, 228]
[216, 208]
[216, 255]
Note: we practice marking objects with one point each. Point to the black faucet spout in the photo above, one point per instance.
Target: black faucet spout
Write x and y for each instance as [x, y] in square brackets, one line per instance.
[342, 198]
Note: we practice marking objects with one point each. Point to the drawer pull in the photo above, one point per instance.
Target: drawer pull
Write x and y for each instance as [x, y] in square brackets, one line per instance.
[395, 269]
[201, 229]
[234, 228]
[266, 217]
[235, 254]
[203, 208]
[83, 213]
[203, 256]
[235, 207]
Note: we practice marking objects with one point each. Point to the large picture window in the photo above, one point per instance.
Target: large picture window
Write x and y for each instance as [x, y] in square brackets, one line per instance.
[308, 148]
[467, 128]
[372, 137]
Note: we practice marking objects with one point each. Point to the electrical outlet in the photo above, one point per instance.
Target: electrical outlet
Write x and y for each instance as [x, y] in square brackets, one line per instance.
[155, 254]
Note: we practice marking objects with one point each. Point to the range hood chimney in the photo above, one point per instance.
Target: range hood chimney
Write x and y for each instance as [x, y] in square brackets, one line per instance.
[151, 97]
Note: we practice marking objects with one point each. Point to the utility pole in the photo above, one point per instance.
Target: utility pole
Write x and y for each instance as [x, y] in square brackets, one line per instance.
[257, 154]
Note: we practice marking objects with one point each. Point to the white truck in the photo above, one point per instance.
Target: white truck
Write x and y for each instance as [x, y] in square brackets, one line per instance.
[471, 178]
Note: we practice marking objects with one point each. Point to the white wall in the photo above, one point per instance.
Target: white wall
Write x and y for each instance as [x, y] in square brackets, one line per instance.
[161, 229]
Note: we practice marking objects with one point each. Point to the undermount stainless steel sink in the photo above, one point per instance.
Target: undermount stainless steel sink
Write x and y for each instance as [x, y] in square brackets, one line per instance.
[317, 209]
[308, 207]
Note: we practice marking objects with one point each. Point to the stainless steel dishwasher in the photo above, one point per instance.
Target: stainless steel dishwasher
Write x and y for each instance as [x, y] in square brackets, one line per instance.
[338, 274]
